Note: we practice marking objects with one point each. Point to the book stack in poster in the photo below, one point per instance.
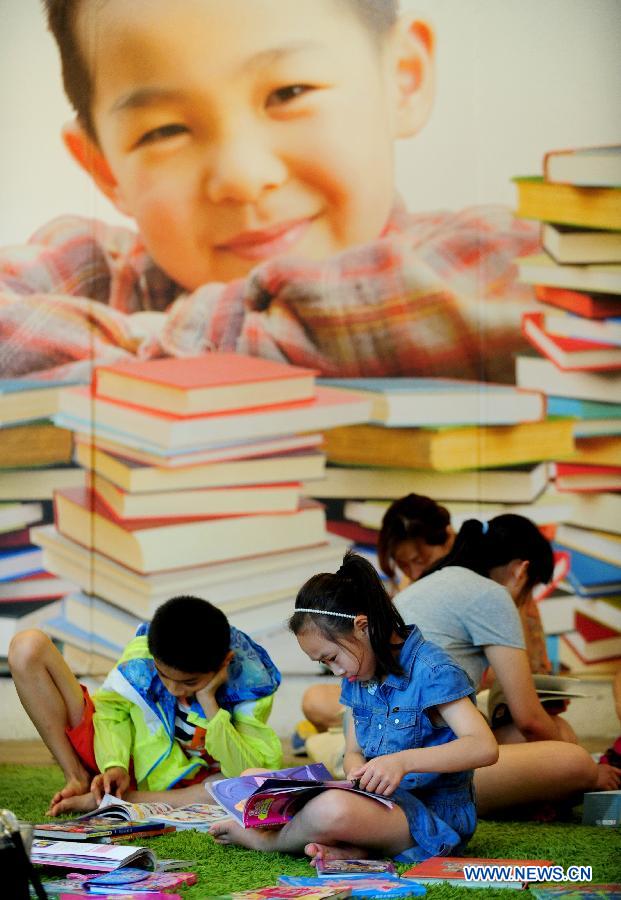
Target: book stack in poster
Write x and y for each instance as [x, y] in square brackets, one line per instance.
[576, 333]
[35, 457]
[194, 471]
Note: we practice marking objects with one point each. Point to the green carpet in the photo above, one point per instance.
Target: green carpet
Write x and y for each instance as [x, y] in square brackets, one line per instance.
[26, 790]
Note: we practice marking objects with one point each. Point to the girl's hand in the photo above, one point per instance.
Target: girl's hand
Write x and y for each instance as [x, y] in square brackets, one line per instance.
[113, 781]
[381, 775]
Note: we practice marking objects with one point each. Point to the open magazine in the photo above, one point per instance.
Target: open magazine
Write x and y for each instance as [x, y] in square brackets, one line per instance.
[92, 857]
[271, 799]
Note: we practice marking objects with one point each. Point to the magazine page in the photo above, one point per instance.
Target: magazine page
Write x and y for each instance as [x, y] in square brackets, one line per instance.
[276, 802]
[114, 808]
[232, 793]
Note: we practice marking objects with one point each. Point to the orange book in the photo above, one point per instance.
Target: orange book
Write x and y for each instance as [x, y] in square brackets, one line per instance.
[591, 306]
[204, 384]
[567, 352]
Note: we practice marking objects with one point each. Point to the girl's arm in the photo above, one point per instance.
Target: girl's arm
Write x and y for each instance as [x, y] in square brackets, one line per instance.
[353, 758]
[514, 676]
[474, 746]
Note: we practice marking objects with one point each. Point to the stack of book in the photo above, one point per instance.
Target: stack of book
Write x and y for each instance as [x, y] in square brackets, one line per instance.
[577, 332]
[35, 456]
[194, 486]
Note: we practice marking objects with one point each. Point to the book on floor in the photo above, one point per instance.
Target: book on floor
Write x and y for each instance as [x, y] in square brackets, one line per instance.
[602, 808]
[353, 868]
[271, 799]
[446, 449]
[153, 545]
[585, 166]
[98, 829]
[209, 383]
[127, 881]
[314, 890]
[113, 810]
[568, 352]
[590, 306]
[89, 856]
[373, 887]
[458, 871]
[408, 402]
[151, 429]
[542, 269]
[138, 478]
[604, 387]
[568, 204]
[517, 484]
[566, 244]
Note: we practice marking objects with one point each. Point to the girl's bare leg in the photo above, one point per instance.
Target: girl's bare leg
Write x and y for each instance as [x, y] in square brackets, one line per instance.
[537, 772]
[332, 820]
[53, 699]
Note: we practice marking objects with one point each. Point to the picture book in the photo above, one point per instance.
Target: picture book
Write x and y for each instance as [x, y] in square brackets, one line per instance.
[194, 815]
[410, 402]
[449, 449]
[123, 881]
[577, 892]
[271, 799]
[604, 387]
[209, 383]
[578, 245]
[372, 887]
[311, 891]
[118, 420]
[353, 868]
[542, 269]
[589, 306]
[90, 856]
[98, 828]
[569, 352]
[122, 895]
[568, 204]
[501, 873]
[138, 478]
[586, 166]
[155, 545]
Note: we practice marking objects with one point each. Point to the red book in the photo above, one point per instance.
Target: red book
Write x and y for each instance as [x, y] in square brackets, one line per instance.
[210, 383]
[352, 531]
[591, 306]
[569, 353]
[155, 545]
[19, 538]
[582, 478]
[500, 872]
[591, 629]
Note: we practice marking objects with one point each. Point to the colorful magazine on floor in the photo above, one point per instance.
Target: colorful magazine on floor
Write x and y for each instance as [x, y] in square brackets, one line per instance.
[500, 873]
[271, 799]
[353, 868]
[99, 829]
[373, 887]
[123, 881]
[314, 891]
[89, 856]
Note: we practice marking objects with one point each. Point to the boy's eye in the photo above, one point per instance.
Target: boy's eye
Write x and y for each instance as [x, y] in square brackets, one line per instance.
[161, 133]
[286, 94]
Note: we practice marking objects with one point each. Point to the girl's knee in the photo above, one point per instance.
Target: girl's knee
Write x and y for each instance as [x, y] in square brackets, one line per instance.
[27, 649]
[578, 767]
[330, 814]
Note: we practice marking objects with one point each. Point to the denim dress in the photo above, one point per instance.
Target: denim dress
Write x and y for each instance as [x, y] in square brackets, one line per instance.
[392, 715]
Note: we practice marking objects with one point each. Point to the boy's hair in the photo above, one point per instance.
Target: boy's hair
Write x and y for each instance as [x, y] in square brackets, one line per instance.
[377, 15]
[411, 518]
[189, 634]
[481, 546]
[354, 590]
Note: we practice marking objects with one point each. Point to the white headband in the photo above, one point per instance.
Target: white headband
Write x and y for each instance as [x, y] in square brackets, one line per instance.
[323, 612]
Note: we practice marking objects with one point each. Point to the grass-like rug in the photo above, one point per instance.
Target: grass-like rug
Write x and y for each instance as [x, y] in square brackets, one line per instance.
[26, 790]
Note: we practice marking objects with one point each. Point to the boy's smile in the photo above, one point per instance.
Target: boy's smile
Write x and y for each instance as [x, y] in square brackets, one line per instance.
[239, 131]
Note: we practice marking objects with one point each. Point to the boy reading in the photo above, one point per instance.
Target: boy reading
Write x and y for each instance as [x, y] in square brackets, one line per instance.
[189, 697]
[251, 141]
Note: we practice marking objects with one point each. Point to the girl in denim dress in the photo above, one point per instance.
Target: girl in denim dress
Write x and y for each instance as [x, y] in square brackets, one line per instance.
[413, 732]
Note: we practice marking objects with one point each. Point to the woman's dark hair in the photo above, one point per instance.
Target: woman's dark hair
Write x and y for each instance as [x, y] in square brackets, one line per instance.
[356, 589]
[377, 15]
[481, 546]
[189, 634]
[411, 518]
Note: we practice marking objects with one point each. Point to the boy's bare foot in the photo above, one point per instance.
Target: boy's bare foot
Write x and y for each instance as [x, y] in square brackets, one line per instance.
[76, 786]
[343, 851]
[228, 831]
[81, 803]
[608, 777]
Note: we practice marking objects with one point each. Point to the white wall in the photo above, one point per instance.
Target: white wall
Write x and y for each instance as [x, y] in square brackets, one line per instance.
[515, 78]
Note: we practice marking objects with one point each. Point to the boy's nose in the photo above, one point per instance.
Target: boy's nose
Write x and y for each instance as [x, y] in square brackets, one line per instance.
[241, 170]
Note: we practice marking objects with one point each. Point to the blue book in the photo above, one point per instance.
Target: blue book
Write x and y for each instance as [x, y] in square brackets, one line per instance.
[419, 402]
[590, 576]
[59, 628]
[381, 887]
[20, 561]
[583, 409]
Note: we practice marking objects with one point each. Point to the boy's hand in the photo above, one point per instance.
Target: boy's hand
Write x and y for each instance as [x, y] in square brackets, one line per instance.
[207, 695]
[381, 775]
[113, 781]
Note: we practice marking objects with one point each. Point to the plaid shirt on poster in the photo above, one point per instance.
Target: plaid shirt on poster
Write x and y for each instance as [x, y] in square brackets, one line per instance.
[436, 294]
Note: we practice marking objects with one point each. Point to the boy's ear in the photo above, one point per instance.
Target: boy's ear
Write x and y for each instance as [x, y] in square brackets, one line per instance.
[89, 157]
[415, 82]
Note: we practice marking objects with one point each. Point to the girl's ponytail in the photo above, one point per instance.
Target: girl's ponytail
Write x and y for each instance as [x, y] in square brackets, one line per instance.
[332, 602]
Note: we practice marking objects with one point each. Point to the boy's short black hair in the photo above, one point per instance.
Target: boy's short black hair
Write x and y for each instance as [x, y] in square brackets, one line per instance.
[377, 15]
[189, 634]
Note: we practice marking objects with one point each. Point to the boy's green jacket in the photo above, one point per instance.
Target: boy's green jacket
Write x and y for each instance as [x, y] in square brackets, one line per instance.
[134, 718]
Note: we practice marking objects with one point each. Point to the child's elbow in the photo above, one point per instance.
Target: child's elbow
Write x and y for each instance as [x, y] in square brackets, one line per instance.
[488, 752]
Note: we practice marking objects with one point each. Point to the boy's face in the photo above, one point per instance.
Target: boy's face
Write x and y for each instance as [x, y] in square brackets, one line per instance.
[179, 683]
[236, 131]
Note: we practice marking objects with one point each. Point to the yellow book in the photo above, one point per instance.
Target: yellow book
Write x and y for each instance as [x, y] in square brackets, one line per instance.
[595, 451]
[587, 207]
[446, 449]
